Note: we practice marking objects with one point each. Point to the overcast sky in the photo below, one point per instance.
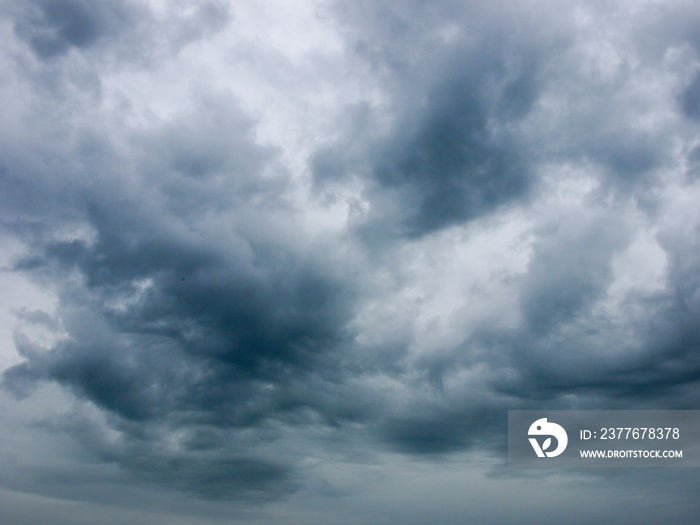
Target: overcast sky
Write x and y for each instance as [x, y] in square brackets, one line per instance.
[292, 261]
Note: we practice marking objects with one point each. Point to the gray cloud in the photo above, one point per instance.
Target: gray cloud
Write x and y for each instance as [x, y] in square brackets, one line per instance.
[170, 325]
[468, 134]
[690, 101]
[53, 27]
[448, 155]
[569, 268]
[502, 218]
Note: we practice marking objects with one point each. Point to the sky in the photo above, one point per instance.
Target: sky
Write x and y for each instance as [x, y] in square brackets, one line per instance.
[293, 261]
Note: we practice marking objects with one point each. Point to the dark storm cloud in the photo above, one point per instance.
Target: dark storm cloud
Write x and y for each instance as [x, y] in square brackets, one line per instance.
[570, 351]
[198, 311]
[645, 355]
[206, 324]
[464, 130]
[53, 28]
[690, 101]
[448, 156]
[197, 306]
[451, 168]
[466, 136]
[436, 430]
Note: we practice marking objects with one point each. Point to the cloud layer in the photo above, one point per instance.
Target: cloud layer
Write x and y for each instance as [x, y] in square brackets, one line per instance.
[276, 233]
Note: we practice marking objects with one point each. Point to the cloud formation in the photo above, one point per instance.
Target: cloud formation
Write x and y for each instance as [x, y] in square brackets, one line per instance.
[257, 257]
